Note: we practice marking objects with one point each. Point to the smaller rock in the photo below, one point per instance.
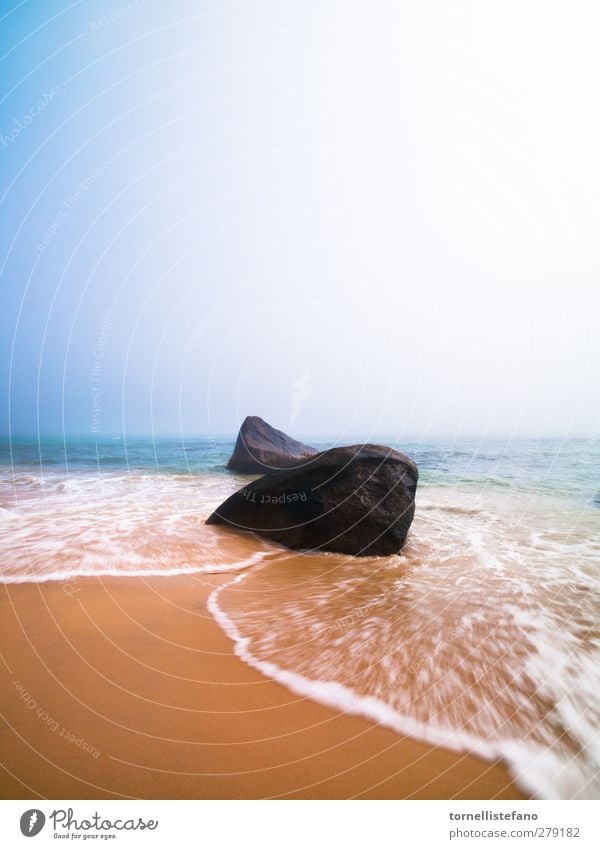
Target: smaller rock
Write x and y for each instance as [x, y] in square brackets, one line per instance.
[261, 448]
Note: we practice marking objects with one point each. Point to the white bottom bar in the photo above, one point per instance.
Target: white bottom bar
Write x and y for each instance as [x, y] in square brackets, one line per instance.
[301, 824]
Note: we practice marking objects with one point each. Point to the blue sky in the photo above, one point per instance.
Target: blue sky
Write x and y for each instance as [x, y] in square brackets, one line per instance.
[351, 219]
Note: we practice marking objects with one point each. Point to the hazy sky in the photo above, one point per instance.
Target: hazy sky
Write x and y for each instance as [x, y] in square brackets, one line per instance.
[375, 218]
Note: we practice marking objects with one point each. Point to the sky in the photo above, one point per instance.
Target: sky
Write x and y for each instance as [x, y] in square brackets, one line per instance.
[352, 219]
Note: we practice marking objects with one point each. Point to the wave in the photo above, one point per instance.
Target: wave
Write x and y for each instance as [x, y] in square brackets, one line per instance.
[447, 508]
[529, 765]
[537, 769]
[472, 639]
[332, 693]
[117, 525]
[480, 636]
[74, 575]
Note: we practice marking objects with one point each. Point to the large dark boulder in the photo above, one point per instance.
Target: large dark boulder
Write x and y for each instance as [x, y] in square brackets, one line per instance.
[261, 448]
[355, 500]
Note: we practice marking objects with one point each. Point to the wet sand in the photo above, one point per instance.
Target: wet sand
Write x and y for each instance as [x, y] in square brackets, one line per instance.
[127, 688]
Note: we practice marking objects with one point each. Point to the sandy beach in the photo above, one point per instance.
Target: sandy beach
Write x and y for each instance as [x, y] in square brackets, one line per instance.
[127, 688]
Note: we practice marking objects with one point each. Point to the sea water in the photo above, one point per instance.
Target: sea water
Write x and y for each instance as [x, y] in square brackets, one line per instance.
[482, 635]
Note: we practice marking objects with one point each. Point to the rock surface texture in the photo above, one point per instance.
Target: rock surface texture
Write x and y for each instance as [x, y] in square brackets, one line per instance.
[357, 500]
[261, 448]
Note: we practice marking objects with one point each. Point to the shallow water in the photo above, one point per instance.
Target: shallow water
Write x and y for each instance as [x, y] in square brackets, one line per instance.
[482, 635]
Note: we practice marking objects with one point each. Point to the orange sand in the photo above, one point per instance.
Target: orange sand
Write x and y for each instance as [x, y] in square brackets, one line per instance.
[127, 688]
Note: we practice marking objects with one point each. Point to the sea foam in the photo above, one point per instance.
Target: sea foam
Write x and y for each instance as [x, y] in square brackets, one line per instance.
[468, 640]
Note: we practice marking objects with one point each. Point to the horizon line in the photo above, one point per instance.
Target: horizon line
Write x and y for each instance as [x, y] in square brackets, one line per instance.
[231, 436]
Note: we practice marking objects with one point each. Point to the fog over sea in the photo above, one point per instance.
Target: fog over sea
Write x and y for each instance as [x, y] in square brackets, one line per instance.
[482, 635]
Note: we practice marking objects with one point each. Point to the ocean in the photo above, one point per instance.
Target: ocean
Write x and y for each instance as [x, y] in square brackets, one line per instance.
[481, 636]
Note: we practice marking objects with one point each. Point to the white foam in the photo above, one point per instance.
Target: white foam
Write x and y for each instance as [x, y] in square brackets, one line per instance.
[493, 581]
[477, 558]
[118, 526]
[72, 575]
[341, 697]
[538, 770]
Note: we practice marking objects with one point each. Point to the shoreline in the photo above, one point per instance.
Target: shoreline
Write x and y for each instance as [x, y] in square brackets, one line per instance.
[128, 688]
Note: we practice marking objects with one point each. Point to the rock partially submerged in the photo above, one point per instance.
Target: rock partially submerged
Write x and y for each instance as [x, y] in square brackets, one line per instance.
[357, 500]
[261, 448]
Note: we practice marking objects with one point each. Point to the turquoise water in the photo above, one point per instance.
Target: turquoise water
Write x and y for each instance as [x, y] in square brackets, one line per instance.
[482, 635]
[567, 467]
